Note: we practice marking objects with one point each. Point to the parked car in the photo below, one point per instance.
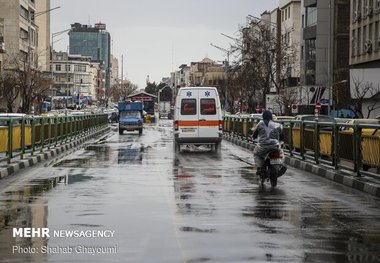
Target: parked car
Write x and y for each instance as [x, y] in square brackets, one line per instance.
[321, 118]
[370, 131]
[5, 116]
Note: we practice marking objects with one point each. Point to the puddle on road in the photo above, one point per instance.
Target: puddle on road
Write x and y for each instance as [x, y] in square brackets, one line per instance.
[99, 155]
[18, 207]
[76, 178]
[22, 208]
[130, 154]
[95, 153]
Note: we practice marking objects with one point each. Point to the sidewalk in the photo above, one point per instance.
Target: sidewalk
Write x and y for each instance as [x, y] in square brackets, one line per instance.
[18, 164]
[365, 184]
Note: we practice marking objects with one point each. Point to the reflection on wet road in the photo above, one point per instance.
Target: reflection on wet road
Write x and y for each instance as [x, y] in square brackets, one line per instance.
[196, 206]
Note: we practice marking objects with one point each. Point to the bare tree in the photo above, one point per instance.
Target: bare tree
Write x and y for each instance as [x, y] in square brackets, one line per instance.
[363, 92]
[264, 63]
[10, 88]
[120, 92]
[22, 80]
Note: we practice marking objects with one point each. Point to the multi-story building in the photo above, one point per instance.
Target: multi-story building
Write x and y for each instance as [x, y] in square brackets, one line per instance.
[290, 37]
[203, 73]
[43, 21]
[114, 71]
[19, 34]
[94, 42]
[365, 55]
[324, 54]
[21, 29]
[76, 76]
[206, 73]
[184, 75]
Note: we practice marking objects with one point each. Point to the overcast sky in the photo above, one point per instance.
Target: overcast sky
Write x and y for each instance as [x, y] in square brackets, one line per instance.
[157, 36]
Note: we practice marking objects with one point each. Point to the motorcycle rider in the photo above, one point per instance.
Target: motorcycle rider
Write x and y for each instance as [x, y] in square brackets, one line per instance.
[268, 135]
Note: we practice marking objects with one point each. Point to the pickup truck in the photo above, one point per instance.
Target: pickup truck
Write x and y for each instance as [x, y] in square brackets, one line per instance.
[130, 116]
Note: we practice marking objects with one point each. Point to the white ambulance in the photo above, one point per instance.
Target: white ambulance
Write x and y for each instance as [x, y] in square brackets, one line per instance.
[198, 117]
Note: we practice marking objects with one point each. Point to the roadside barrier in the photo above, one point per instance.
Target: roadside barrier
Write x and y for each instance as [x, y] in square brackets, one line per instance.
[29, 134]
[323, 142]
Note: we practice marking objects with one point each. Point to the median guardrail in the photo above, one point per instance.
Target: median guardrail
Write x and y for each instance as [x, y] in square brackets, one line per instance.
[339, 145]
[31, 134]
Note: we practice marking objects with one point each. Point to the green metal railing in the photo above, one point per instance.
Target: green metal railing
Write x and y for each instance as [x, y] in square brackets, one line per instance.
[22, 135]
[339, 145]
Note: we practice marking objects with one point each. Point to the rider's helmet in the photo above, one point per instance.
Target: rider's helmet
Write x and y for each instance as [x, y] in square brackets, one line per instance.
[267, 115]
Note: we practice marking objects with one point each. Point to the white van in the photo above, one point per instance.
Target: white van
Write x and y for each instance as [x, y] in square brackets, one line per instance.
[198, 117]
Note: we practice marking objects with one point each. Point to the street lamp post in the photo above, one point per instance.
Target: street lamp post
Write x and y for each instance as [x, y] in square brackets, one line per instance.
[226, 67]
[30, 26]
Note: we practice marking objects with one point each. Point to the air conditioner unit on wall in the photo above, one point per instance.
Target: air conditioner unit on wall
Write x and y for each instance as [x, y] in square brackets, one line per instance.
[357, 15]
[368, 46]
[368, 11]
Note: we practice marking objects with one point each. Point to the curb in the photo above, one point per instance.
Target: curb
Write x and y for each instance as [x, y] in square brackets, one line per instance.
[47, 154]
[359, 183]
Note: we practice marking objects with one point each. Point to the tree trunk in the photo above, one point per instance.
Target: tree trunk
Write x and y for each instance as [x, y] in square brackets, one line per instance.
[9, 106]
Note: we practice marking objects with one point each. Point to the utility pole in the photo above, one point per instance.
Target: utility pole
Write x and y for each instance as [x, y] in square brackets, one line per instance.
[122, 75]
[226, 68]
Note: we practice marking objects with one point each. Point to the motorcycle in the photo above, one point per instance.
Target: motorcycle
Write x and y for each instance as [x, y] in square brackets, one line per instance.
[274, 166]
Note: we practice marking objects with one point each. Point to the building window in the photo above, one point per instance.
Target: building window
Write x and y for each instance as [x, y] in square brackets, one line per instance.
[79, 68]
[377, 38]
[353, 43]
[67, 67]
[311, 16]
[364, 38]
[359, 42]
[24, 12]
[58, 67]
[24, 34]
[310, 61]
[359, 6]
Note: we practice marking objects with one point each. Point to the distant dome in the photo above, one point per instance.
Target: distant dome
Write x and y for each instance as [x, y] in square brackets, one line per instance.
[207, 60]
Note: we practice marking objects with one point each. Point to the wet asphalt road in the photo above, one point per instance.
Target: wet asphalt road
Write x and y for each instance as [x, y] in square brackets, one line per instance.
[196, 206]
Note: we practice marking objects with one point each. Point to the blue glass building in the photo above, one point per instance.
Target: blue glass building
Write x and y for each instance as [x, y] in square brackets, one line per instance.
[94, 42]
